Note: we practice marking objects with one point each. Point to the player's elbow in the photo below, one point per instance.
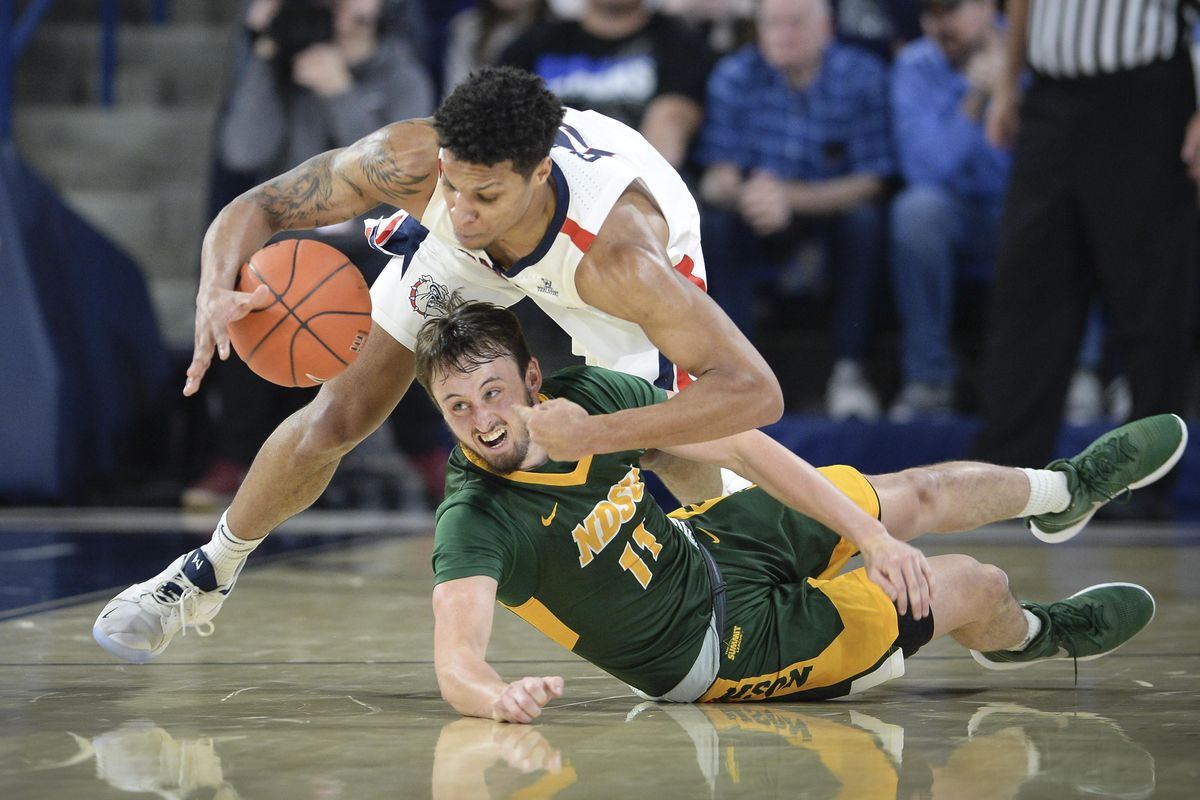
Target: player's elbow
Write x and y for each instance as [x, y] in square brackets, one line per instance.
[448, 690]
[453, 690]
[774, 407]
[764, 397]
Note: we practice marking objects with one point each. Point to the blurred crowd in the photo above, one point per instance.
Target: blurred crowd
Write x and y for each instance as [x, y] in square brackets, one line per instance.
[851, 158]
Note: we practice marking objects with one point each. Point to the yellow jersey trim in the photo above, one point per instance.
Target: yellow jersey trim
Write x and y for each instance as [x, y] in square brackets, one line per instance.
[700, 508]
[542, 618]
[848, 480]
[576, 477]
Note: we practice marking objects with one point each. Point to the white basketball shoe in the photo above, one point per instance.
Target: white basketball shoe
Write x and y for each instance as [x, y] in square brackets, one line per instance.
[141, 621]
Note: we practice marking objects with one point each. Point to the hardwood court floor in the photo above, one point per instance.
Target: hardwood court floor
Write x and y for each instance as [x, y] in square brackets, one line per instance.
[318, 683]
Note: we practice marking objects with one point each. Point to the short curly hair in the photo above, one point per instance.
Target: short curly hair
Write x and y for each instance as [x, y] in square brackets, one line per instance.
[500, 114]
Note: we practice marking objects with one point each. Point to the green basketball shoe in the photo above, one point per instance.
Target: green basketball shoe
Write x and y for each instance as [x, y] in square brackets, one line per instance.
[1088, 624]
[1126, 458]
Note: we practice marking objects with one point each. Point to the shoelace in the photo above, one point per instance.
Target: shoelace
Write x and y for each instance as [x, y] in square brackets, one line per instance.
[1070, 623]
[1095, 469]
[184, 602]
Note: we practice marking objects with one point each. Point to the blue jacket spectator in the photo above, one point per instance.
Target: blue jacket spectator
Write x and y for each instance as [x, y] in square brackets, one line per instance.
[944, 223]
[936, 143]
[797, 151]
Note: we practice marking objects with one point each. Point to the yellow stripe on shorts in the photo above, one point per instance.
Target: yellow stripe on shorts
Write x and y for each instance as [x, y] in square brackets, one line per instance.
[870, 628]
[854, 485]
[848, 480]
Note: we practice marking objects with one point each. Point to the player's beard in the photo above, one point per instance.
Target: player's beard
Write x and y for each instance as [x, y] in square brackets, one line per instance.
[515, 457]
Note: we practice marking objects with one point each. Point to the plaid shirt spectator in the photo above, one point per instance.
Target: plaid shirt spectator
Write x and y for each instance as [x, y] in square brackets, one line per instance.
[837, 126]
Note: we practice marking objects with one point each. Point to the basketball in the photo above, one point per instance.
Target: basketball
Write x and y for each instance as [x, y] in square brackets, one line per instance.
[317, 321]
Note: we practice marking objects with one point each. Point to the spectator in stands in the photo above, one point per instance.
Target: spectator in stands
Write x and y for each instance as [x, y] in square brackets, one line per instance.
[643, 68]
[797, 151]
[943, 224]
[478, 35]
[315, 75]
[322, 76]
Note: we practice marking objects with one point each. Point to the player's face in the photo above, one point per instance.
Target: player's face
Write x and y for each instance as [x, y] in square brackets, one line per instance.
[486, 202]
[478, 405]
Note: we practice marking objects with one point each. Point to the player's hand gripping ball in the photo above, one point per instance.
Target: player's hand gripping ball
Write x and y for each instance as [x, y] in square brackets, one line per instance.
[317, 321]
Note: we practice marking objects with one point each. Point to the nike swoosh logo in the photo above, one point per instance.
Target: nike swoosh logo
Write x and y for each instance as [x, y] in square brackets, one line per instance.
[709, 535]
[547, 520]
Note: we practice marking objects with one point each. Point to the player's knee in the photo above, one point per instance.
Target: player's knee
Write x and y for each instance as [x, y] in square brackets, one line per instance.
[992, 582]
[923, 486]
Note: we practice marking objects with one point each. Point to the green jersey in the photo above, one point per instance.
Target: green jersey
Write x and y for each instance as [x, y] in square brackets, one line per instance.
[581, 550]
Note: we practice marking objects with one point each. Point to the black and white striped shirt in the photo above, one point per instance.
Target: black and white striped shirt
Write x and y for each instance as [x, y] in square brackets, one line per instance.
[1076, 38]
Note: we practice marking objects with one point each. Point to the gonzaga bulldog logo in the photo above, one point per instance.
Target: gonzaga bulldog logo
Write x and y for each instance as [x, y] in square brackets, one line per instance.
[428, 297]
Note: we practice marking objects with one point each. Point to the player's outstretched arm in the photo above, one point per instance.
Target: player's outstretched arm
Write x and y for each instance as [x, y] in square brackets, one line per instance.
[898, 568]
[396, 165]
[462, 614]
[627, 273]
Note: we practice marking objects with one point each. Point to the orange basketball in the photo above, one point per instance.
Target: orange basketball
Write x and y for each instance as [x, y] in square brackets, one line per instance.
[317, 322]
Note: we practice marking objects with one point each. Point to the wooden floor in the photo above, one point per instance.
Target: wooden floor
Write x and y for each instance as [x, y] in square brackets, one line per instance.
[318, 683]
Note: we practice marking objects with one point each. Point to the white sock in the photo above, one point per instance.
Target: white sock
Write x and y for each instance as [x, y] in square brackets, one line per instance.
[1035, 627]
[226, 551]
[1048, 492]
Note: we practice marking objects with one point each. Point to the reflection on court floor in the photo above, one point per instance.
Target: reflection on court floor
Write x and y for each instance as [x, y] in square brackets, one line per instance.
[1006, 750]
[319, 683]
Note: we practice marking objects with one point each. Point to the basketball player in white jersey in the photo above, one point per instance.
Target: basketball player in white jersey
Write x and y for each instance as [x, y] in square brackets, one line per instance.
[574, 210]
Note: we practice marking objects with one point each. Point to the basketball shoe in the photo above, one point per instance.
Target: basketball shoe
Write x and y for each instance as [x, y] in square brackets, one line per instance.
[1089, 624]
[1129, 457]
[140, 622]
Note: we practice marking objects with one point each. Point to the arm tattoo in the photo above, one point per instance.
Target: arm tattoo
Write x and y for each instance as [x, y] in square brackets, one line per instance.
[382, 171]
[299, 198]
[307, 197]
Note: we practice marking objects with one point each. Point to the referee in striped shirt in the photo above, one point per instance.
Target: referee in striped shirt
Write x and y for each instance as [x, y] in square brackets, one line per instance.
[1101, 201]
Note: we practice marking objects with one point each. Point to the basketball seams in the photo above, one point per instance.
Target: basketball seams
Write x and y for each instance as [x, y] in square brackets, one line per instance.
[317, 286]
[279, 295]
[295, 258]
[262, 280]
[254, 270]
[318, 339]
[250, 356]
[292, 349]
[302, 323]
[340, 328]
[304, 326]
[290, 312]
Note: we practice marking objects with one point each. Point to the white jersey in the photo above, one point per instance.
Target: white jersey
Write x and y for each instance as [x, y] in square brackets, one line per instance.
[594, 160]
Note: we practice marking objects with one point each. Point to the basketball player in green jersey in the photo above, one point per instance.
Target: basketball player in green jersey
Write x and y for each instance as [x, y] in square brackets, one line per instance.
[740, 598]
